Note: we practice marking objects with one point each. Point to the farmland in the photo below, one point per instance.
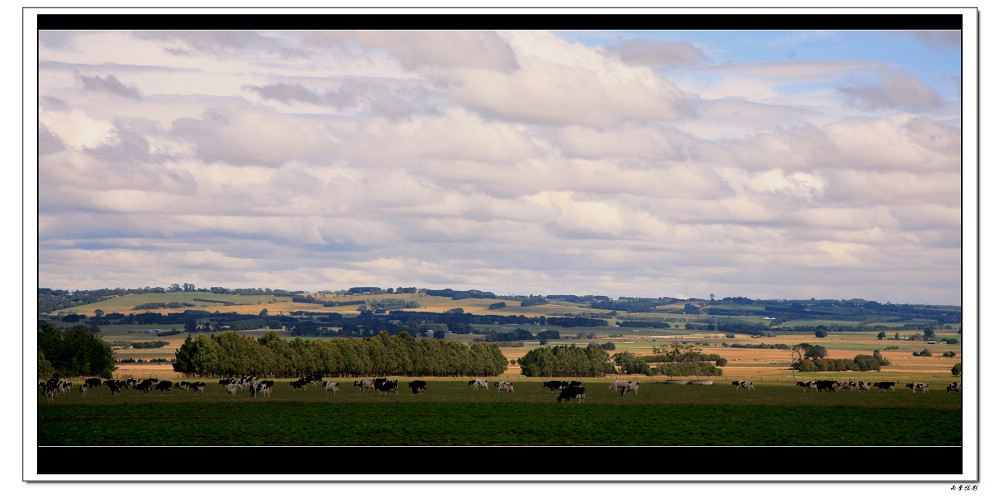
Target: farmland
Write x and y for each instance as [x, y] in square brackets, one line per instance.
[451, 413]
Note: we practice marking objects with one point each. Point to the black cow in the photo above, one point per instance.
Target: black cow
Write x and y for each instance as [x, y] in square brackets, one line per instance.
[828, 385]
[164, 386]
[300, 384]
[572, 392]
[93, 382]
[553, 385]
[418, 386]
[145, 385]
[882, 386]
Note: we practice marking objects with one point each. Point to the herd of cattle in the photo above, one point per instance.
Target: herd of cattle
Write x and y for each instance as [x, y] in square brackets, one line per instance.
[867, 386]
[567, 389]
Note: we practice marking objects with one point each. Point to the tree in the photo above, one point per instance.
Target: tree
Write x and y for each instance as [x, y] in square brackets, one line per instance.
[75, 352]
[957, 369]
[881, 335]
[820, 333]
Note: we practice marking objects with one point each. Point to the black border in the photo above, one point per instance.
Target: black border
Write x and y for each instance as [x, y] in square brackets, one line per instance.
[432, 20]
[557, 462]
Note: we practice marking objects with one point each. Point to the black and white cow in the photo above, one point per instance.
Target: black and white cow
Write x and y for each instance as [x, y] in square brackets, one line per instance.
[261, 388]
[571, 392]
[418, 386]
[806, 385]
[198, 386]
[882, 386]
[748, 385]
[630, 386]
[479, 383]
[918, 386]
[618, 384]
[231, 388]
[865, 386]
[114, 386]
[505, 386]
[955, 386]
[365, 384]
[386, 386]
[331, 387]
[300, 384]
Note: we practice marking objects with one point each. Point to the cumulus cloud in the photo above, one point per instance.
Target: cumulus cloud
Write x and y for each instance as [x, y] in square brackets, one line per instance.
[658, 53]
[109, 84]
[895, 89]
[415, 50]
[237, 135]
[504, 161]
[562, 83]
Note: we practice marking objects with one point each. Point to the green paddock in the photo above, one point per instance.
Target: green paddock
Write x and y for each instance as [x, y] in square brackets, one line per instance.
[451, 413]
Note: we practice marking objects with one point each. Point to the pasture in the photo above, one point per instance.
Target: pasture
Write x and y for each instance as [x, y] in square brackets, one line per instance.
[451, 413]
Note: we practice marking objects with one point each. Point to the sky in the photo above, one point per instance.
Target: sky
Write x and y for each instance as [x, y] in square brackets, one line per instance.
[764, 164]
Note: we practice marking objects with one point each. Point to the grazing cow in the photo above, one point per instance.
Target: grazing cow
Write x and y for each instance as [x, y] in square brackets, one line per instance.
[145, 385]
[572, 392]
[955, 386]
[553, 385]
[331, 387]
[617, 384]
[918, 386]
[505, 386]
[418, 386]
[632, 386]
[300, 384]
[199, 386]
[231, 388]
[743, 384]
[828, 386]
[882, 386]
[262, 387]
[164, 385]
[114, 386]
[365, 384]
[575, 384]
[385, 386]
[479, 383]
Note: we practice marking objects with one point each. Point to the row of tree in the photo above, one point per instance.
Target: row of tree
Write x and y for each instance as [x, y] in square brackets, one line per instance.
[229, 354]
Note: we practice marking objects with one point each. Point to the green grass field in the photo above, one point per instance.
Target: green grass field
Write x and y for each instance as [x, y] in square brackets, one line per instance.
[450, 413]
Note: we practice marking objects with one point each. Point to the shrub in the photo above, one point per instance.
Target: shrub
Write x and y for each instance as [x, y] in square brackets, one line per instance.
[949, 354]
[925, 352]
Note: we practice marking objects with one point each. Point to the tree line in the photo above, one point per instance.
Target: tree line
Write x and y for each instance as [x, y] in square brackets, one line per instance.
[229, 354]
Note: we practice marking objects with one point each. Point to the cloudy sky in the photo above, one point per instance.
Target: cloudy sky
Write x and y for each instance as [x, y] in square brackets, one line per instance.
[766, 164]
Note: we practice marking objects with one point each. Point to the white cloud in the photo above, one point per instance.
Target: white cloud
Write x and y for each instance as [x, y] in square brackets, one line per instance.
[563, 83]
